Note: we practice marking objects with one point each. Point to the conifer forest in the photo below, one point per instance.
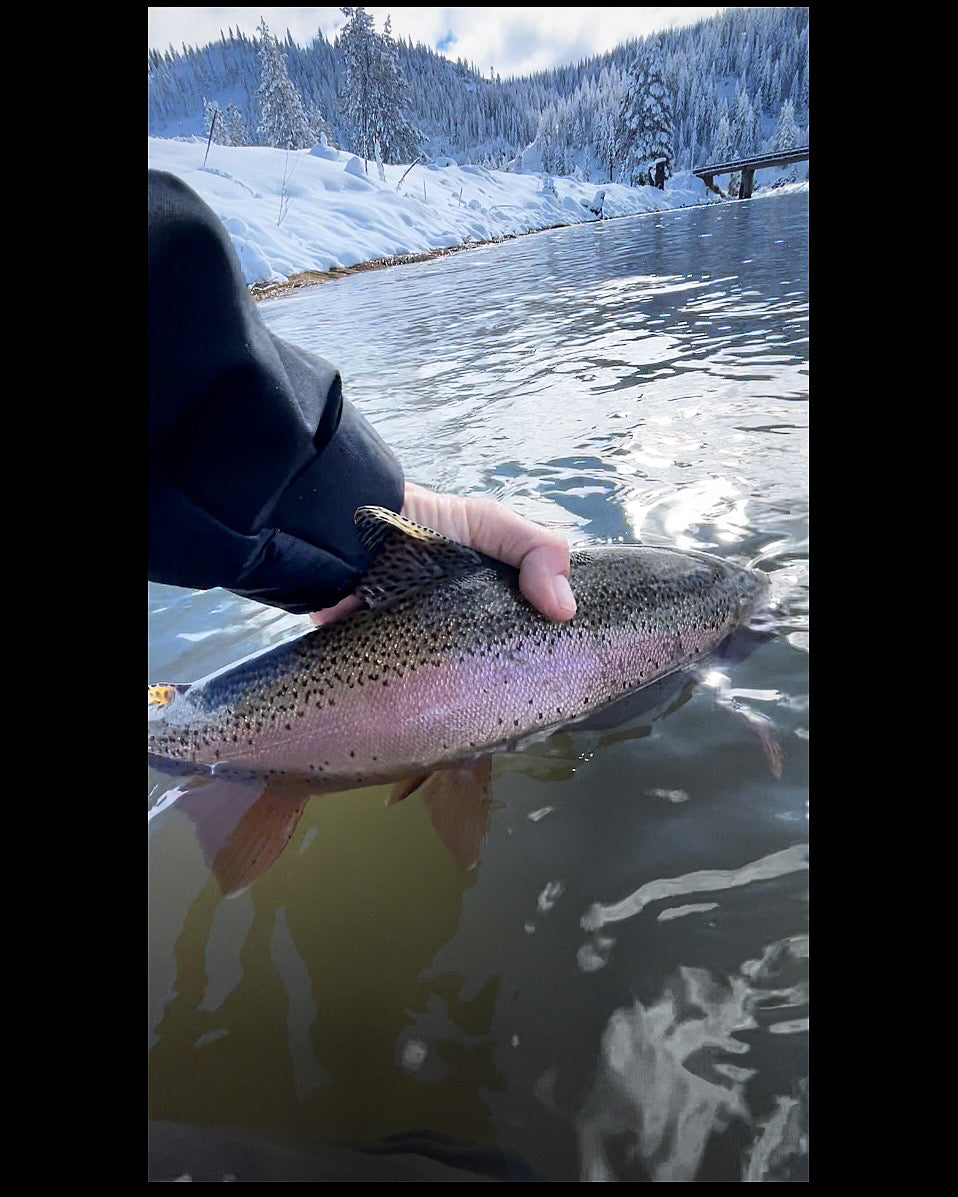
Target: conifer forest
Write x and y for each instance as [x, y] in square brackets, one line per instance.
[732, 85]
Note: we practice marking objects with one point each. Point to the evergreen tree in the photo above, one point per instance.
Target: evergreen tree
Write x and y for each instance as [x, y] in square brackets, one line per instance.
[215, 123]
[283, 121]
[375, 95]
[319, 127]
[235, 126]
[398, 140]
[743, 124]
[722, 145]
[647, 124]
[357, 42]
[786, 132]
[787, 135]
[608, 104]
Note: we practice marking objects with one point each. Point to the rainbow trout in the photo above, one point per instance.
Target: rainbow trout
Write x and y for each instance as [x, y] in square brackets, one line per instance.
[448, 661]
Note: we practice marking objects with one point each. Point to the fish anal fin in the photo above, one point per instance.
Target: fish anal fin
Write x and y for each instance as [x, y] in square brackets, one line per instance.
[459, 802]
[407, 556]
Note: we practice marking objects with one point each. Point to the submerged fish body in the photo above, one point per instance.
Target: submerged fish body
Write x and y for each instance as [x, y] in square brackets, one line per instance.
[449, 661]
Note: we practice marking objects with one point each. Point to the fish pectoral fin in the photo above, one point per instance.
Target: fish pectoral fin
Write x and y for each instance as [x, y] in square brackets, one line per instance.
[761, 726]
[261, 834]
[459, 802]
[242, 828]
[407, 555]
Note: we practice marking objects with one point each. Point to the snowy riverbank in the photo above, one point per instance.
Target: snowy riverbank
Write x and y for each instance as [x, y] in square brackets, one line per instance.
[319, 210]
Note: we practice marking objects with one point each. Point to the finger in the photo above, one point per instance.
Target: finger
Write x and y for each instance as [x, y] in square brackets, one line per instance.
[544, 581]
[352, 602]
[540, 555]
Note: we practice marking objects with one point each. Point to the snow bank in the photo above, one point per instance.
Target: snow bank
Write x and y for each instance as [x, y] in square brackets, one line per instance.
[322, 209]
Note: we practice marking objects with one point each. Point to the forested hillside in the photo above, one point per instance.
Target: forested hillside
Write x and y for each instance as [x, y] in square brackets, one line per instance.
[734, 84]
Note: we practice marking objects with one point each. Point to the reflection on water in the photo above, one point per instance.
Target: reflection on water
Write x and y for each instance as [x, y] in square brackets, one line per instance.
[618, 988]
[672, 1075]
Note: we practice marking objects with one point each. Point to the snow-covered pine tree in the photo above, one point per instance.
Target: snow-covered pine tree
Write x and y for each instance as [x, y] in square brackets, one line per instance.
[787, 135]
[215, 123]
[768, 85]
[786, 131]
[630, 126]
[319, 127]
[722, 145]
[375, 97]
[235, 126]
[608, 107]
[283, 121]
[605, 140]
[398, 140]
[743, 124]
[647, 127]
[358, 43]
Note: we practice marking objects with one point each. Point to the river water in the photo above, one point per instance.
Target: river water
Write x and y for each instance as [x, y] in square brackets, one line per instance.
[619, 989]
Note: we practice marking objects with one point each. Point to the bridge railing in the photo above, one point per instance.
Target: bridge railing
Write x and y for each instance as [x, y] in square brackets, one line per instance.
[776, 158]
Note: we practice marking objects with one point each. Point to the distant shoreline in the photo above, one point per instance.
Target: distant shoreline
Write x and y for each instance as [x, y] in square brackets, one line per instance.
[312, 278]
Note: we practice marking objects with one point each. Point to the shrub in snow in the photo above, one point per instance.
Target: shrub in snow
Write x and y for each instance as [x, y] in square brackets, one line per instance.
[597, 201]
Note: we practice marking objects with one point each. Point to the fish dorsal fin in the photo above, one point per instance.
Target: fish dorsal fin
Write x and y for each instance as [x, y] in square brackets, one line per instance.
[407, 555]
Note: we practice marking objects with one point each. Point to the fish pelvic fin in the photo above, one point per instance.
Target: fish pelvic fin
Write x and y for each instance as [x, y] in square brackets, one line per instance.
[409, 785]
[407, 555]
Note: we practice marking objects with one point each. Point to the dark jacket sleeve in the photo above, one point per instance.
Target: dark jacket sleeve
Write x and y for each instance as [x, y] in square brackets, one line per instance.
[256, 462]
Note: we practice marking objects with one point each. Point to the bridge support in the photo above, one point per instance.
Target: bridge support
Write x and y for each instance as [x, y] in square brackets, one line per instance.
[743, 170]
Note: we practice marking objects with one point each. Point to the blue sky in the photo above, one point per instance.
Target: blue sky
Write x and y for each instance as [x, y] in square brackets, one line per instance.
[509, 41]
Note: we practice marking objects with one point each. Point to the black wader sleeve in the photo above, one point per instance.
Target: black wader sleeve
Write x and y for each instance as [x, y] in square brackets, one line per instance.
[256, 462]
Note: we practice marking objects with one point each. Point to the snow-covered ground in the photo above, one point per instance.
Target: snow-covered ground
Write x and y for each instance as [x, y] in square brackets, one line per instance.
[320, 209]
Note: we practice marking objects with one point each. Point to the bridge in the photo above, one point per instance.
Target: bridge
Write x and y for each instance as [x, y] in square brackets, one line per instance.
[748, 167]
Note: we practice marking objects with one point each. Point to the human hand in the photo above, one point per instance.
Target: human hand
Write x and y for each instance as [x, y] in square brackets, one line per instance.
[540, 555]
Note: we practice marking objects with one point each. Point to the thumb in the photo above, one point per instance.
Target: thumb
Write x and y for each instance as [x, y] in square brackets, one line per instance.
[544, 580]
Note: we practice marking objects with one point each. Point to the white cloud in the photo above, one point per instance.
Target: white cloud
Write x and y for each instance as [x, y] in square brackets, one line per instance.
[511, 41]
